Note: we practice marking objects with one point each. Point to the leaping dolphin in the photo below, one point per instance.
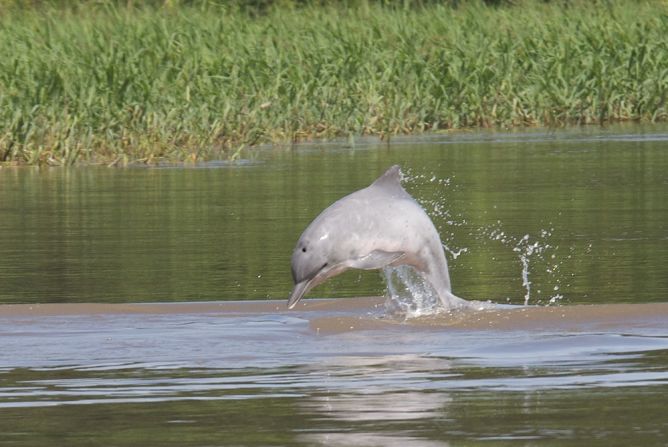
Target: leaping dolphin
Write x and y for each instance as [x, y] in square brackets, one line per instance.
[378, 226]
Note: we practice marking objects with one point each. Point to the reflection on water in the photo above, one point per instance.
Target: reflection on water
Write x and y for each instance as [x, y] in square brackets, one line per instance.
[592, 203]
[378, 407]
[263, 378]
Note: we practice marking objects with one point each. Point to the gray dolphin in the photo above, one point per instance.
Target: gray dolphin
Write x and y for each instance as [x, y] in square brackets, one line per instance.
[378, 226]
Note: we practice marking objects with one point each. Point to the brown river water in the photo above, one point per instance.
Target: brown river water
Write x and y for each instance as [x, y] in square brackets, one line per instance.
[147, 306]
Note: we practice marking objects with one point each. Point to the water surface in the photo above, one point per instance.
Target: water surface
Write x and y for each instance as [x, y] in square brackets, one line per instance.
[573, 219]
[110, 235]
[333, 372]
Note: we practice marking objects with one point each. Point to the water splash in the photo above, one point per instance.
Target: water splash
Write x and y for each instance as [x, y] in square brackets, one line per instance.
[437, 207]
[409, 295]
[532, 251]
[526, 249]
[455, 254]
[538, 257]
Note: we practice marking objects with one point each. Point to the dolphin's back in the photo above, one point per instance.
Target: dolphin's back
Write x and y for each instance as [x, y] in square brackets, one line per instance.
[371, 200]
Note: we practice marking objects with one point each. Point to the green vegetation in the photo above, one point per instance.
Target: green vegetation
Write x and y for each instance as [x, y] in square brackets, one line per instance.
[103, 83]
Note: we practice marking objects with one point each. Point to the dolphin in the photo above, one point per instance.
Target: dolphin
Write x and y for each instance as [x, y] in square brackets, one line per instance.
[375, 227]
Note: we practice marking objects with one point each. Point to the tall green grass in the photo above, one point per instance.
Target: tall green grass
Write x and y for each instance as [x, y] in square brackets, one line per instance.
[101, 83]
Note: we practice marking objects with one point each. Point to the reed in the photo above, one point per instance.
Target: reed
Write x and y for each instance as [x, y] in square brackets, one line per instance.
[103, 83]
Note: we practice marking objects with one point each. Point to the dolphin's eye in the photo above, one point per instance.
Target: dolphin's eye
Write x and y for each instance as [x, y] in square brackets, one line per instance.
[325, 265]
[304, 250]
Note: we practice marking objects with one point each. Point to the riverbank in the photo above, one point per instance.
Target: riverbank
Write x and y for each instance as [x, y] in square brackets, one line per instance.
[115, 85]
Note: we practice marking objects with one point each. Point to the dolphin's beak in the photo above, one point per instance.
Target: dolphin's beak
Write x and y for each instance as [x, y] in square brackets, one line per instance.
[302, 288]
[298, 292]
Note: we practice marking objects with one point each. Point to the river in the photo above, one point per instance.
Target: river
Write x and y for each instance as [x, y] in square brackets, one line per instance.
[146, 305]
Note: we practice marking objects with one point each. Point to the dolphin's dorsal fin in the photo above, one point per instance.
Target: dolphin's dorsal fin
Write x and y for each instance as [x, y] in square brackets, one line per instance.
[390, 180]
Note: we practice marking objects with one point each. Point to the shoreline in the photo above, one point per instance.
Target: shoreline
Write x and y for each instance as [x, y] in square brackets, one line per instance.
[176, 88]
[605, 132]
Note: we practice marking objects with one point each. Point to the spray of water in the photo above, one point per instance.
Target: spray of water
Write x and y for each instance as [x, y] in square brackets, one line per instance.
[531, 251]
[437, 208]
[526, 249]
[409, 295]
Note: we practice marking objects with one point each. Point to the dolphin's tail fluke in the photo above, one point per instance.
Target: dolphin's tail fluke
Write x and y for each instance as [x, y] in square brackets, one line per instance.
[452, 302]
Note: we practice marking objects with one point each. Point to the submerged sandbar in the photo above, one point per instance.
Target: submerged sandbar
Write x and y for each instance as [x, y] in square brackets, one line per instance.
[344, 314]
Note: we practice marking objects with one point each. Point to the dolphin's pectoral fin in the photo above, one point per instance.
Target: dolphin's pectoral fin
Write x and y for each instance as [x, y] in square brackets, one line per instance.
[377, 259]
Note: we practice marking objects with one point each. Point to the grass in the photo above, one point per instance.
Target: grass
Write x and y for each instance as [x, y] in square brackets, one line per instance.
[102, 83]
